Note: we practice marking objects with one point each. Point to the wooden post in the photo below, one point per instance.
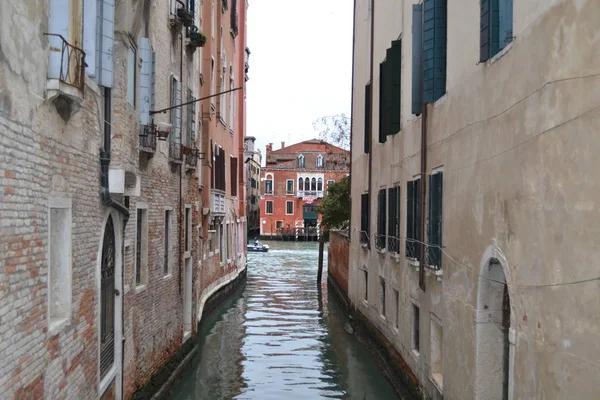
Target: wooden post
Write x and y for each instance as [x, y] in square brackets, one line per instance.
[321, 251]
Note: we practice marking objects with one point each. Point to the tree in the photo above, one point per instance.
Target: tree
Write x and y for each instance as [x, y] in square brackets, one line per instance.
[334, 129]
[335, 207]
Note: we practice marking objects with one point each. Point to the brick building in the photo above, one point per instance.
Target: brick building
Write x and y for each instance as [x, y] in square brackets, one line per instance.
[253, 160]
[293, 180]
[102, 283]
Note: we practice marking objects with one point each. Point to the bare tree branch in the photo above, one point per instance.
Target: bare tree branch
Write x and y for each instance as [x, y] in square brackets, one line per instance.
[334, 129]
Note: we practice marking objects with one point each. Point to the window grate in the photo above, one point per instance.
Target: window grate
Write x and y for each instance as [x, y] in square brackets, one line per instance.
[107, 300]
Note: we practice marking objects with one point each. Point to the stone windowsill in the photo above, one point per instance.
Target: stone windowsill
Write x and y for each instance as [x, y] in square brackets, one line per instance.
[437, 379]
[56, 325]
[168, 276]
[141, 288]
[107, 380]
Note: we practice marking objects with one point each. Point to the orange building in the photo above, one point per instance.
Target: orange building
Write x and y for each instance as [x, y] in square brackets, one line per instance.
[293, 181]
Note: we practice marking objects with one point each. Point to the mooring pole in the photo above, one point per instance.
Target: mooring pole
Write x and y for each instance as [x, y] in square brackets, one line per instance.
[321, 250]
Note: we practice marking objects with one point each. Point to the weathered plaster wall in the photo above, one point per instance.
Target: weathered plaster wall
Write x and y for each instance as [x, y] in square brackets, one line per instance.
[515, 137]
[337, 258]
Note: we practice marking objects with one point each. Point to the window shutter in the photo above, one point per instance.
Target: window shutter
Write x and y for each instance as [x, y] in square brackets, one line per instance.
[434, 54]
[431, 212]
[58, 23]
[417, 208]
[395, 93]
[145, 79]
[178, 112]
[417, 58]
[409, 217]
[484, 30]
[382, 103]
[90, 32]
[368, 118]
[153, 82]
[495, 44]
[106, 40]
[506, 22]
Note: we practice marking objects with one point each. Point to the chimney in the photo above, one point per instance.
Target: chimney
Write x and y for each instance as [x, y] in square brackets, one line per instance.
[269, 148]
[282, 145]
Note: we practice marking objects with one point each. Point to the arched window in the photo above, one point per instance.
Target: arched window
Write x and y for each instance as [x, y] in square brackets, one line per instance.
[313, 184]
[319, 161]
[269, 184]
[107, 299]
[300, 161]
[300, 184]
[320, 184]
[306, 184]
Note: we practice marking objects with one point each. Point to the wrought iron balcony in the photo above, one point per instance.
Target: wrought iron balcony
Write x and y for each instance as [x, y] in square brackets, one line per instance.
[364, 237]
[67, 62]
[190, 161]
[217, 202]
[175, 155]
[393, 244]
[310, 193]
[433, 257]
[412, 249]
[147, 139]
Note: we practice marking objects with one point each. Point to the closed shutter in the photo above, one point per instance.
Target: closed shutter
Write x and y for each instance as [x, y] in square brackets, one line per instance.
[106, 40]
[506, 22]
[382, 103]
[153, 82]
[90, 35]
[58, 23]
[145, 53]
[417, 208]
[410, 218]
[368, 118]
[434, 46]
[395, 80]
[434, 229]
[177, 126]
[417, 58]
[494, 27]
[484, 30]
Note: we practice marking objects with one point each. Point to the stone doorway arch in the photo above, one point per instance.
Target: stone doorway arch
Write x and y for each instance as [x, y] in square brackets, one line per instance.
[494, 329]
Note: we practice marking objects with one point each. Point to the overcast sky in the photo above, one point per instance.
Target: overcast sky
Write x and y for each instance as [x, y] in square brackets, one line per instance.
[300, 67]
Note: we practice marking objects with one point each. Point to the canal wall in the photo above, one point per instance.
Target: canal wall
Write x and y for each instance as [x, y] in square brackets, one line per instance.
[338, 260]
[161, 384]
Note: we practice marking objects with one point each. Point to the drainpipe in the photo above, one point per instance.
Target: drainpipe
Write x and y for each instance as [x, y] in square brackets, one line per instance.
[352, 120]
[423, 168]
[181, 166]
[371, 121]
[110, 202]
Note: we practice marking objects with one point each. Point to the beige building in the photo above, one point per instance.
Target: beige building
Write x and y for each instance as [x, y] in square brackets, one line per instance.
[477, 258]
[253, 160]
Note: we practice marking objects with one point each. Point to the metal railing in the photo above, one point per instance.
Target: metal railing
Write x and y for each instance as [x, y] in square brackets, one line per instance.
[364, 237]
[380, 241]
[393, 244]
[175, 150]
[433, 257]
[147, 139]
[310, 193]
[412, 249]
[72, 61]
[190, 160]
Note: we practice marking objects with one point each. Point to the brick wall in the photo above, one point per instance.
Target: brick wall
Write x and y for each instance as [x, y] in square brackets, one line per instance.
[338, 258]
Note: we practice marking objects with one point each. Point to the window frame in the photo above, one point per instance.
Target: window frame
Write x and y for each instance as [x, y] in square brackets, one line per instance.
[287, 203]
[267, 203]
[287, 182]
[269, 179]
[141, 255]
[131, 88]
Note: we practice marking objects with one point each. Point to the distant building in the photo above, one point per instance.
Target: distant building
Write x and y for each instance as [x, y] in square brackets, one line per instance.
[253, 159]
[293, 179]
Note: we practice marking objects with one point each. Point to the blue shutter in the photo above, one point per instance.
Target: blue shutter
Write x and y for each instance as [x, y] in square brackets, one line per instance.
[434, 50]
[153, 82]
[90, 19]
[58, 24]
[495, 45]
[395, 89]
[506, 22]
[145, 53]
[417, 58]
[106, 41]
[484, 30]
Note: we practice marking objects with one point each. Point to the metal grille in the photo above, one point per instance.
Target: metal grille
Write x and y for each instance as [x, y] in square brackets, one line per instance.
[107, 300]
[72, 61]
[138, 248]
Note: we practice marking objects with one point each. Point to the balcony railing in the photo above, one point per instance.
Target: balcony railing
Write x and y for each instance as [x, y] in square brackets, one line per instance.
[433, 257]
[310, 193]
[412, 249]
[217, 202]
[175, 154]
[67, 62]
[364, 237]
[393, 244]
[190, 160]
[380, 241]
[147, 139]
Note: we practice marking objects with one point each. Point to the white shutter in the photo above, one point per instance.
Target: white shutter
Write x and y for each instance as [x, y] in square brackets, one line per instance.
[178, 111]
[106, 42]
[145, 80]
[90, 19]
[58, 24]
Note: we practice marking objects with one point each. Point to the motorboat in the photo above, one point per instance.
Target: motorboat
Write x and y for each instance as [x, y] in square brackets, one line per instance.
[257, 248]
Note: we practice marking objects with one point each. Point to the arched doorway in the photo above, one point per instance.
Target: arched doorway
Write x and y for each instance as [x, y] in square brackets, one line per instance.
[494, 336]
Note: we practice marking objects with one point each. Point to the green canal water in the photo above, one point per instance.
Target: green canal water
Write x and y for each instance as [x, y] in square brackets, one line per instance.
[277, 337]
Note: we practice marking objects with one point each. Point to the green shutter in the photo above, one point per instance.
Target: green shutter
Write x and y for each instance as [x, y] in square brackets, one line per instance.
[506, 22]
[382, 103]
[494, 27]
[368, 119]
[484, 30]
[395, 79]
[434, 50]
[417, 58]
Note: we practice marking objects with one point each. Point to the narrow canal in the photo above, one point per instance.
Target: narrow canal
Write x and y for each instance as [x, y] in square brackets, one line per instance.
[278, 338]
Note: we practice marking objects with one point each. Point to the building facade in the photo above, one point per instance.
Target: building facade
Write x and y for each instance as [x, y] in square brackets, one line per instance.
[293, 179]
[253, 160]
[106, 261]
[469, 183]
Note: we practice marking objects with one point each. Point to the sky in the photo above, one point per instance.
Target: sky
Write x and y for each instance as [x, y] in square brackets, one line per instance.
[300, 67]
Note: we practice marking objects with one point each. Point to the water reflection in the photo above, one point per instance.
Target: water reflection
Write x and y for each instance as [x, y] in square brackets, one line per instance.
[280, 339]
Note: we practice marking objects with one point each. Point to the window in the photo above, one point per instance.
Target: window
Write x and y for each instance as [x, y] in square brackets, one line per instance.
[396, 308]
[382, 296]
[313, 184]
[279, 224]
[59, 262]
[434, 50]
[223, 97]
[330, 183]
[381, 213]
[319, 161]
[167, 239]
[366, 287]
[368, 117]
[306, 184]
[413, 218]
[417, 59]
[221, 244]
[364, 218]
[191, 120]
[435, 220]
[233, 176]
[437, 338]
[289, 207]
[300, 161]
[227, 243]
[269, 206]
[496, 27]
[131, 75]
[188, 228]
[393, 243]
[415, 330]
[300, 184]
[107, 299]
[320, 184]
[141, 247]
[176, 112]
[289, 186]
[231, 97]
[218, 175]
[269, 184]
[212, 77]
[389, 91]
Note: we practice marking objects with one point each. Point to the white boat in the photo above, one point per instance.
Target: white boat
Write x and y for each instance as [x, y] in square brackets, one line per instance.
[257, 248]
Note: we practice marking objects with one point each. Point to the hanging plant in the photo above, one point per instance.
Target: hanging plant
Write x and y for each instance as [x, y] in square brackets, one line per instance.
[186, 16]
[197, 38]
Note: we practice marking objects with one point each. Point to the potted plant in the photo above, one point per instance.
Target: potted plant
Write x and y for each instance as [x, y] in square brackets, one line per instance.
[197, 39]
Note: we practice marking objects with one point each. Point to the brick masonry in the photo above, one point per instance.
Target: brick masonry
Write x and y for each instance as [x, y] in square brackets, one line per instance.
[338, 259]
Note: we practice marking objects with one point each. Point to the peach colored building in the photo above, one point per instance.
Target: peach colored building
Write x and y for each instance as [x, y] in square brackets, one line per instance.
[294, 179]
